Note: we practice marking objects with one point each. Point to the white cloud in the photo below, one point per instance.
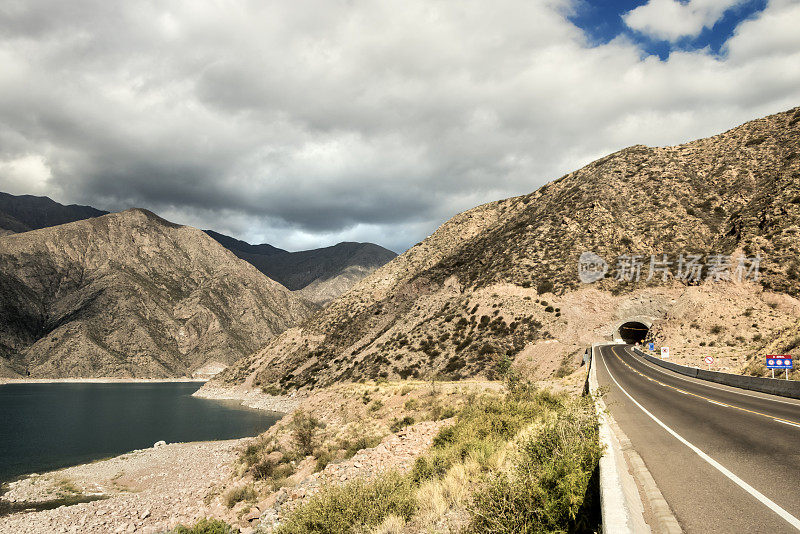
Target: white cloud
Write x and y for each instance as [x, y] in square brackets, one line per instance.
[304, 123]
[670, 20]
[27, 175]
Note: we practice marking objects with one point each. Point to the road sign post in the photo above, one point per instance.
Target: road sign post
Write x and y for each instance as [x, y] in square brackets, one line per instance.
[780, 361]
[664, 353]
[651, 346]
[709, 360]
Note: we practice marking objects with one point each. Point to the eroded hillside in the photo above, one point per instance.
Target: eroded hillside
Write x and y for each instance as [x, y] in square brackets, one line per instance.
[476, 292]
[130, 294]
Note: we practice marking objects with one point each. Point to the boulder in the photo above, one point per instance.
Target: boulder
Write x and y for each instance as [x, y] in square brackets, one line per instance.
[253, 514]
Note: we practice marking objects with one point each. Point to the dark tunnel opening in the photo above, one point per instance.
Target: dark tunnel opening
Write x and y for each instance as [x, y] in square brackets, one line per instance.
[633, 332]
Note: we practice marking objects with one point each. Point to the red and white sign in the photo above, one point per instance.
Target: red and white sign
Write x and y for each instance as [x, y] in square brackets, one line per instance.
[709, 359]
[664, 353]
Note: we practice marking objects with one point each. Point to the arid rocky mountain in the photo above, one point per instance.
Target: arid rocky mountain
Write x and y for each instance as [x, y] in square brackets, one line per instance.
[319, 275]
[131, 295]
[501, 280]
[21, 213]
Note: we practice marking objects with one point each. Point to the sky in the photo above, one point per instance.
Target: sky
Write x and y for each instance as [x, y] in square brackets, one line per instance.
[302, 124]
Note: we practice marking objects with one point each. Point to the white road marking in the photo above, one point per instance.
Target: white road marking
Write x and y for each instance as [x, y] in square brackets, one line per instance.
[763, 499]
[787, 423]
[701, 382]
[718, 403]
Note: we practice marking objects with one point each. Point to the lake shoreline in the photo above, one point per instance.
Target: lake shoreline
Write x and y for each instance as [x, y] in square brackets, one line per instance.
[102, 380]
[144, 490]
[251, 398]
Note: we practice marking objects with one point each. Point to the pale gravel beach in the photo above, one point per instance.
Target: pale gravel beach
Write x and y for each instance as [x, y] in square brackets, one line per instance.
[149, 490]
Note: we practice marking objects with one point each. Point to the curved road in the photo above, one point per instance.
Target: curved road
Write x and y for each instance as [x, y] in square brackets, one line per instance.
[725, 459]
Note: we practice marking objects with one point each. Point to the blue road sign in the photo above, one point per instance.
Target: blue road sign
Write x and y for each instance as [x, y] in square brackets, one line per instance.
[779, 361]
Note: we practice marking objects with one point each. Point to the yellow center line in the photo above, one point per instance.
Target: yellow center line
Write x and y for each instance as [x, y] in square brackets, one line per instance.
[793, 423]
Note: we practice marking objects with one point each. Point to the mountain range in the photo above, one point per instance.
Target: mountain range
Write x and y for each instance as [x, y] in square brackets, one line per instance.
[494, 282]
[131, 295]
[87, 293]
[319, 275]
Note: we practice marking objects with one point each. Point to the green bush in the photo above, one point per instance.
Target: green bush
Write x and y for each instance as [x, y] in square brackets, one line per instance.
[272, 390]
[551, 487]
[545, 286]
[242, 493]
[304, 431]
[480, 428]
[205, 526]
[399, 424]
[353, 507]
[363, 442]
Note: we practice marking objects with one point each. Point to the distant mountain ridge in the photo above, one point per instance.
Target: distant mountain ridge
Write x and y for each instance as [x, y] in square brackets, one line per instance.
[319, 274]
[22, 213]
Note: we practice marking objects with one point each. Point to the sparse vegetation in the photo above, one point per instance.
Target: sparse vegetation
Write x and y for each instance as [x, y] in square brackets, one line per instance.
[206, 526]
[545, 484]
[239, 494]
[354, 506]
[304, 431]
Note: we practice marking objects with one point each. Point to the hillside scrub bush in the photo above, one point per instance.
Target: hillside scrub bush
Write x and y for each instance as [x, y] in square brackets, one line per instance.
[480, 429]
[353, 507]
[304, 432]
[362, 442]
[205, 526]
[241, 493]
[399, 424]
[545, 286]
[545, 484]
[551, 485]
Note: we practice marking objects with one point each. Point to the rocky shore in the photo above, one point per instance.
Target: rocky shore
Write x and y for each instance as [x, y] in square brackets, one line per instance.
[251, 398]
[153, 490]
[147, 491]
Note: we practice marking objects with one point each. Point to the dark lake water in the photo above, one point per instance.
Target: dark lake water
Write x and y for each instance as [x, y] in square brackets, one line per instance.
[48, 426]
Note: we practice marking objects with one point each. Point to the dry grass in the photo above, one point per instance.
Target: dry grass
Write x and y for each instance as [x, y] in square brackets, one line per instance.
[393, 524]
[531, 449]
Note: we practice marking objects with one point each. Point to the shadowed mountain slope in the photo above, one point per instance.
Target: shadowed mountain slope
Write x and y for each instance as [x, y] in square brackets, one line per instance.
[21, 213]
[319, 274]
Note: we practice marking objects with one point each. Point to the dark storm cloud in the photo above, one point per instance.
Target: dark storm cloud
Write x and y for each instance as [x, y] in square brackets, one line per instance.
[306, 123]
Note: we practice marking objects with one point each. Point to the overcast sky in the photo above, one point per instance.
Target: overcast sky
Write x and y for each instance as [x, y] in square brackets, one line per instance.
[305, 123]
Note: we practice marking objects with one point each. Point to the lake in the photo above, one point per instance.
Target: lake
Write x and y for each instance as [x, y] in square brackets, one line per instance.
[49, 426]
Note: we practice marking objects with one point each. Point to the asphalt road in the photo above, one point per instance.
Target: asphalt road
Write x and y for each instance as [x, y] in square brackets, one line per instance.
[725, 459]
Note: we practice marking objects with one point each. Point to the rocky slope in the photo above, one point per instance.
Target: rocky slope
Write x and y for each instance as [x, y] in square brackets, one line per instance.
[26, 212]
[320, 274]
[489, 284]
[130, 294]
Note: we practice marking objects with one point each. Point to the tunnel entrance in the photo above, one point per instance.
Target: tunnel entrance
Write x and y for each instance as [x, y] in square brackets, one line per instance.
[633, 332]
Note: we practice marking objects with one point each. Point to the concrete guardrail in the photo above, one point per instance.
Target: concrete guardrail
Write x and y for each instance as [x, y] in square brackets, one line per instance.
[774, 386]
